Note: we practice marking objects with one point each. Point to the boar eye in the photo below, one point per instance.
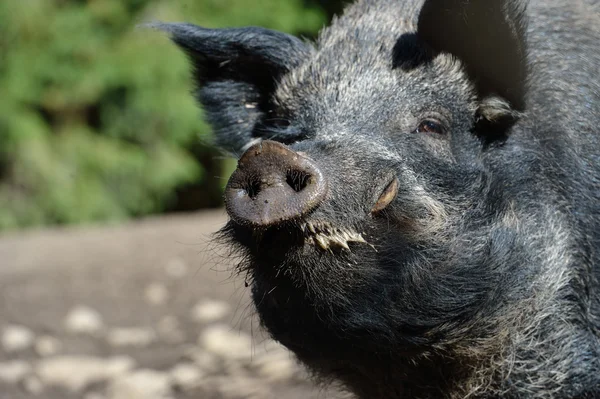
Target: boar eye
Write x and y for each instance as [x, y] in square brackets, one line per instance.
[277, 119]
[279, 123]
[431, 126]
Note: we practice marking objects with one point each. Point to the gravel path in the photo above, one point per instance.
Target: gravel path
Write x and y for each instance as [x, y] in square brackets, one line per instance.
[145, 310]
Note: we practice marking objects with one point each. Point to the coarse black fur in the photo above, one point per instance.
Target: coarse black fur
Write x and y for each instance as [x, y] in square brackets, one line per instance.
[481, 278]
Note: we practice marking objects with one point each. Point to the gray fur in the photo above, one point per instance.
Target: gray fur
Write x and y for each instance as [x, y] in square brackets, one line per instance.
[480, 279]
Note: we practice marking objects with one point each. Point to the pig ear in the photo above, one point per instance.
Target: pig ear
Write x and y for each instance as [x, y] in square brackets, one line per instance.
[489, 38]
[236, 71]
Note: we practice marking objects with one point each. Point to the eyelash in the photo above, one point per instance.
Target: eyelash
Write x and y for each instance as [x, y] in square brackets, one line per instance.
[431, 126]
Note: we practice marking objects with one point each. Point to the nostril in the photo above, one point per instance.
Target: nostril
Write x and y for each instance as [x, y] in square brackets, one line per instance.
[297, 179]
[253, 189]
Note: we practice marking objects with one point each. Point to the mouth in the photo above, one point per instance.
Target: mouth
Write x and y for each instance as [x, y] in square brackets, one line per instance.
[325, 236]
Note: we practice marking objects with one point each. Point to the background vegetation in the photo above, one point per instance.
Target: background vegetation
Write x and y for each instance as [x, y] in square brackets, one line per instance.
[96, 119]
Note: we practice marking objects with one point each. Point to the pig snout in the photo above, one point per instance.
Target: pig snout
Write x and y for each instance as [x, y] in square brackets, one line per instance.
[273, 184]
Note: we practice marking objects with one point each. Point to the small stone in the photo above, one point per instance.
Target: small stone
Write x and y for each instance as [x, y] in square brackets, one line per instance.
[169, 330]
[242, 387]
[207, 362]
[275, 363]
[14, 371]
[84, 320]
[136, 337]
[141, 384]
[33, 385]
[16, 338]
[208, 311]
[176, 268]
[76, 372]
[156, 294]
[186, 376]
[221, 340]
[47, 346]
[276, 368]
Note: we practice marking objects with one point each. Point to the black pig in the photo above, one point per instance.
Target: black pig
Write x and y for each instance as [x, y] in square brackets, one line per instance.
[418, 200]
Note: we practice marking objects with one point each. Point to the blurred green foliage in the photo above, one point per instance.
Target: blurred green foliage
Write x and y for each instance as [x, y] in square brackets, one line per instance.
[96, 118]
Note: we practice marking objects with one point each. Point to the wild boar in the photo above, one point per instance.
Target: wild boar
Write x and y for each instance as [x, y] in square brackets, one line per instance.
[417, 201]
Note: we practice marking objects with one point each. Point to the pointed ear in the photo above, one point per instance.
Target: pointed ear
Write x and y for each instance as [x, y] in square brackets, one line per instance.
[488, 36]
[236, 71]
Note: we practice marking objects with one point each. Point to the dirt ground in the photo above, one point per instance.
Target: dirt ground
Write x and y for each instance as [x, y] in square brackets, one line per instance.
[142, 310]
